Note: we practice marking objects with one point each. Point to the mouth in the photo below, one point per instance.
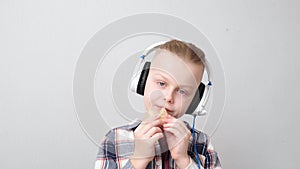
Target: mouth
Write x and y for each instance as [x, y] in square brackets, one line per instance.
[169, 111]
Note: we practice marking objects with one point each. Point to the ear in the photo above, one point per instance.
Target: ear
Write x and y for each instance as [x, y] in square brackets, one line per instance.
[143, 79]
[196, 100]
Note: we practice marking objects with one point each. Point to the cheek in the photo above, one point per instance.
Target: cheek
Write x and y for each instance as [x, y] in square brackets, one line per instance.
[182, 104]
[152, 96]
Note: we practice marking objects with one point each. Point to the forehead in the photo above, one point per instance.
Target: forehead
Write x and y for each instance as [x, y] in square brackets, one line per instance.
[183, 71]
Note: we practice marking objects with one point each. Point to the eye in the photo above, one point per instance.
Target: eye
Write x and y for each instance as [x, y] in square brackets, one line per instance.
[161, 84]
[182, 92]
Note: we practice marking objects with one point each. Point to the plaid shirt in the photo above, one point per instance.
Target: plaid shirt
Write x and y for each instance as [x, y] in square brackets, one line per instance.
[118, 145]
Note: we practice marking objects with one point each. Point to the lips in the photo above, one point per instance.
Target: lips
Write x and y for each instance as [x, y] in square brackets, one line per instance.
[167, 109]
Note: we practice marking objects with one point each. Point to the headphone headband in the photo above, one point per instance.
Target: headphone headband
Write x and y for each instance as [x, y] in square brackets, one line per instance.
[152, 48]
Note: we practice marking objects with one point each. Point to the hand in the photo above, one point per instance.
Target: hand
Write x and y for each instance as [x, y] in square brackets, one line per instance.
[145, 137]
[178, 136]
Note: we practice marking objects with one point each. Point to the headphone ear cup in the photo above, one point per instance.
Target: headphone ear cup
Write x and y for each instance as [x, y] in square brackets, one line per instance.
[196, 100]
[143, 78]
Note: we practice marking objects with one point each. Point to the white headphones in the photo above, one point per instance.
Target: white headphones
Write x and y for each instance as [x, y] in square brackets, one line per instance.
[141, 71]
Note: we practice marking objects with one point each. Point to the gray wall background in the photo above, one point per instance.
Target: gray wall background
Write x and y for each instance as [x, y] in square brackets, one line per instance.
[257, 42]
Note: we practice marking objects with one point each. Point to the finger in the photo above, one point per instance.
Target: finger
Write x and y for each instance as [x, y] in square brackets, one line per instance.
[156, 137]
[146, 125]
[173, 131]
[170, 119]
[181, 129]
[168, 116]
[179, 124]
[152, 131]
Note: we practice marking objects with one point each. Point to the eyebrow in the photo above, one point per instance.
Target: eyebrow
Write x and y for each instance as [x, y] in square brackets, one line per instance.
[156, 75]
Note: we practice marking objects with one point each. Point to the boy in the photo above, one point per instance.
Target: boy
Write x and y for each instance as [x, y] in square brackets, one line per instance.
[163, 141]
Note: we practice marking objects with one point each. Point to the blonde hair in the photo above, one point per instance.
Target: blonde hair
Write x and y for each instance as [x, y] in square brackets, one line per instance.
[185, 50]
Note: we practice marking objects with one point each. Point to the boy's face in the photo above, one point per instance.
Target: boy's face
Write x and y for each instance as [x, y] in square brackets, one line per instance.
[171, 84]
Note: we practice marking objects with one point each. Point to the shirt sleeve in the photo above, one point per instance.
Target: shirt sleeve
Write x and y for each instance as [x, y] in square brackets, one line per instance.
[107, 157]
[207, 155]
[194, 165]
[211, 159]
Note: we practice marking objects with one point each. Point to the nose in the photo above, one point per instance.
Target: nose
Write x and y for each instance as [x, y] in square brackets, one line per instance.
[168, 96]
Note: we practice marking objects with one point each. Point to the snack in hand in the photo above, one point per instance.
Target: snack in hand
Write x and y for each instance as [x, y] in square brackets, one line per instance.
[163, 113]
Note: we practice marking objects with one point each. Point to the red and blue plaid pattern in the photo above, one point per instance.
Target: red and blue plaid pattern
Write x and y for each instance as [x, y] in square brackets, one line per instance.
[118, 145]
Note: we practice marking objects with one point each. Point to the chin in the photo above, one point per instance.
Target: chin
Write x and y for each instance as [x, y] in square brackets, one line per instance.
[179, 115]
